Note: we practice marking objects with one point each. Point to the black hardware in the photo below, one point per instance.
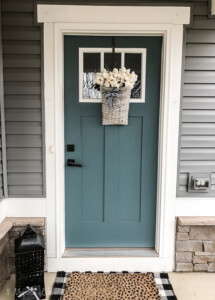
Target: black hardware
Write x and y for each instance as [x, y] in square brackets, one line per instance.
[70, 148]
[113, 52]
[71, 163]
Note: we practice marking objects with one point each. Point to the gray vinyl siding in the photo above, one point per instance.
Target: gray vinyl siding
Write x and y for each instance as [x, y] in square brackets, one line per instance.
[24, 105]
[3, 175]
[1, 95]
[197, 134]
[23, 99]
[1, 169]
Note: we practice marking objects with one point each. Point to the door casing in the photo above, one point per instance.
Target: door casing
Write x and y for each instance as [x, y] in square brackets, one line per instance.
[168, 135]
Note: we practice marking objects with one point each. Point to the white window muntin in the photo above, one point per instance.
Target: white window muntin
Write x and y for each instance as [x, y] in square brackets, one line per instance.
[123, 51]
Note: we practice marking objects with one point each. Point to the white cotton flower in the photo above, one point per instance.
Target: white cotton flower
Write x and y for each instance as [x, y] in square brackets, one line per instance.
[107, 84]
[125, 77]
[105, 74]
[113, 83]
[108, 77]
[101, 81]
[115, 78]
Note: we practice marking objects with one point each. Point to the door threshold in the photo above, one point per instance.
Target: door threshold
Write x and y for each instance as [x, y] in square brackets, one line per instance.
[110, 252]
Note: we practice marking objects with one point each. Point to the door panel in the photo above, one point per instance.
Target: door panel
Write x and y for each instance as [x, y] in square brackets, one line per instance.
[92, 156]
[111, 200]
[129, 173]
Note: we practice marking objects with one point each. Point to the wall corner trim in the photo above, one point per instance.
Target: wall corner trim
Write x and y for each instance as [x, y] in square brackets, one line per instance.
[212, 2]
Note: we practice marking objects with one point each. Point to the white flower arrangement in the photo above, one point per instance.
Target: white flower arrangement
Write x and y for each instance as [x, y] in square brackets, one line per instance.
[116, 78]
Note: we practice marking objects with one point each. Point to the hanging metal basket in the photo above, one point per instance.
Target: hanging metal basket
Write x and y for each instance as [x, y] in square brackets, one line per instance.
[116, 112]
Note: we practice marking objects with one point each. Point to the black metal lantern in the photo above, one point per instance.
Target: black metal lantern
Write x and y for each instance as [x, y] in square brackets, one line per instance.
[29, 262]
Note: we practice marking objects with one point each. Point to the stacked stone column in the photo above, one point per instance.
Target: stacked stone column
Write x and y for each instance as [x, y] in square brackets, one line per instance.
[4, 260]
[195, 244]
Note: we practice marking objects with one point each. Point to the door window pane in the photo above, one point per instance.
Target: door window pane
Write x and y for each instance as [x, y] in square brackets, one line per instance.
[133, 61]
[108, 61]
[91, 66]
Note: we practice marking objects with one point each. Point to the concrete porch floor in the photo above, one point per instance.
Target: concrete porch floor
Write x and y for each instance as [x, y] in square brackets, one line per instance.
[187, 286]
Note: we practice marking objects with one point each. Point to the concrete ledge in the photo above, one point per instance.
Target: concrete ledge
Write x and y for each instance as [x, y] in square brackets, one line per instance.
[5, 226]
[8, 223]
[190, 221]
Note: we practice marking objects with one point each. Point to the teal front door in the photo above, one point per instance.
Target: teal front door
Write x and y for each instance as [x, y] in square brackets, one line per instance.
[111, 197]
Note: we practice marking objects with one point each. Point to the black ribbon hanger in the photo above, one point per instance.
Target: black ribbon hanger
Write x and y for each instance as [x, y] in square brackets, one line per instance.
[113, 52]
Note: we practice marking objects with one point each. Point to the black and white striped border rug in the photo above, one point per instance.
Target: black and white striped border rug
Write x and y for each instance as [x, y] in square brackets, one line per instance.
[162, 281]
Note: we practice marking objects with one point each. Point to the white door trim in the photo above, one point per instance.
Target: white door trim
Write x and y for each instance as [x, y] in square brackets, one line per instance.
[165, 21]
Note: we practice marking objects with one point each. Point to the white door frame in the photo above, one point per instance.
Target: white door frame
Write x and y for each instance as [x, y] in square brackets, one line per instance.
[164, 21]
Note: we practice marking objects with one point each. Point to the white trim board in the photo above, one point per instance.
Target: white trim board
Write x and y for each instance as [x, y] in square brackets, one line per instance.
[90, 22]
[25, 207]
[213, 7]
[22, 207]
[118, 264]
[174, 15]
[2, 209]
[195, 207]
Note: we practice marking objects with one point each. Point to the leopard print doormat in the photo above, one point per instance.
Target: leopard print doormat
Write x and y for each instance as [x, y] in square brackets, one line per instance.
[112, 286]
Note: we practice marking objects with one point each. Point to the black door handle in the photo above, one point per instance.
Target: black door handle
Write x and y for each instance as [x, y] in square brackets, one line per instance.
[71, 163]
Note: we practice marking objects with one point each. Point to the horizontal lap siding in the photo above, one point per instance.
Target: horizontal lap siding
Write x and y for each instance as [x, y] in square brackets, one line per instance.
[23, 106]
[1, 170]
[197, 141]
[23, 103]
[1, 100]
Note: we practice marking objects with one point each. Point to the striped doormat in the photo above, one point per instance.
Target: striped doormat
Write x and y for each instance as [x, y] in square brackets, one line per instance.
[112, 286]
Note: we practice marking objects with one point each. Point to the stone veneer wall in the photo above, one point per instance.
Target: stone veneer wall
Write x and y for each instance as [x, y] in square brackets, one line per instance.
[195, 244]
[4, 260]
[11, 229]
